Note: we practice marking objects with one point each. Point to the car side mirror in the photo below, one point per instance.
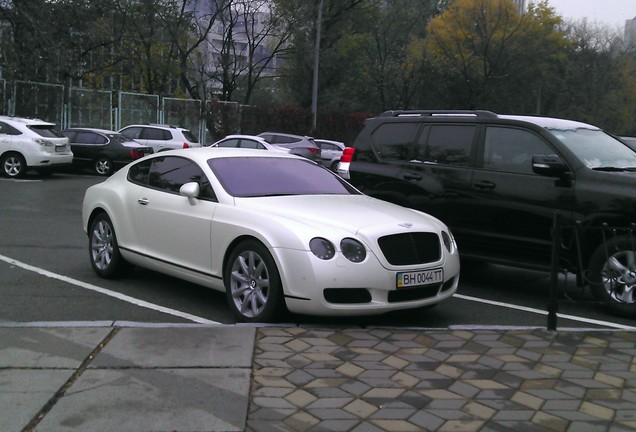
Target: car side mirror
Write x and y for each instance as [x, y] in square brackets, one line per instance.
[191, 191]
[548, 165]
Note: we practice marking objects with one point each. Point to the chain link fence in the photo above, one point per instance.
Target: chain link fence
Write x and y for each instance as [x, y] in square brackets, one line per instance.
[80, 107]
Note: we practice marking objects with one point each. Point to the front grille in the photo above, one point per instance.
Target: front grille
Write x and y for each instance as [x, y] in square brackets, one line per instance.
[410, 248]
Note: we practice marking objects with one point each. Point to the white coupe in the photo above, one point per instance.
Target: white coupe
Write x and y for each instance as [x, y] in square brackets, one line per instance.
[272, 230]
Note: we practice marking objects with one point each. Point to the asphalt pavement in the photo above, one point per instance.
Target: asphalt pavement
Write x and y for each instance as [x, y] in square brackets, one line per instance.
[125, 376]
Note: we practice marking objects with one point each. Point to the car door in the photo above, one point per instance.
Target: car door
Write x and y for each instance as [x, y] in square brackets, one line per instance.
[86, 145]
[438, 175]
[7, 133]
[159, 139]
[174, 230]
[512, 208]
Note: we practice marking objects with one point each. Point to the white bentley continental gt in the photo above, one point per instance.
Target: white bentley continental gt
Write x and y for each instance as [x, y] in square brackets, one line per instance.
[274, 231]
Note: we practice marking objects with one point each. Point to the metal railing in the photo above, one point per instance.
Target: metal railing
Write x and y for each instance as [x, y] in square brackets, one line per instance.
[573, 245]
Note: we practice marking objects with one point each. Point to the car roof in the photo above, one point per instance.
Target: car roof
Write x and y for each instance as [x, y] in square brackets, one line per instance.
[284, 134]
[549, 122]
[156, 125]
[489, 116]
[240, 136]
[98, 130]
[202, 154]
[329, 141]
[26, 120]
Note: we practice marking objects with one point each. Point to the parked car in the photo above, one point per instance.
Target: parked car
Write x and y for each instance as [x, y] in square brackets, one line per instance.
[287, 234]
[330, 152]
[161, 136]
[248, 141]
[104, 151]
[31, 143]
[499, 180]
[297, 144]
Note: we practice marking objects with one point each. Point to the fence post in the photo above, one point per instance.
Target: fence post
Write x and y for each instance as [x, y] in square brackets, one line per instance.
[553, 305]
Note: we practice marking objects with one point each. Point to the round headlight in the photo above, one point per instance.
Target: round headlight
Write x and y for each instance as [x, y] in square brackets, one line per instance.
[322, 248]
[353, 250]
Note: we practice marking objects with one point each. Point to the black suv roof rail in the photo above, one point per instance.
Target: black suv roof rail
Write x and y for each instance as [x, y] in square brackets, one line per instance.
[441, 113]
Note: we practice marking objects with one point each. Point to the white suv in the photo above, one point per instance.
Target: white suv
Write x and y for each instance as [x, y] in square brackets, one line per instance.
[31, 143]
[161, 137]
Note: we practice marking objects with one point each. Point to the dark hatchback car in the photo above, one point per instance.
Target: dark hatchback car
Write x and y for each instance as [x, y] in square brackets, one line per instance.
[104, 151]
[498, 180]
[297, 144]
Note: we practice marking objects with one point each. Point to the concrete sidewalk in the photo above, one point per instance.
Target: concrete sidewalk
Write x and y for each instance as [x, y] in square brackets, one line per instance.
[122, 376]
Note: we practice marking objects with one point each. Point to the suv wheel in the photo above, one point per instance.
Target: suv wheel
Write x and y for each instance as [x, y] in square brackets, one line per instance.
[13, 165]
[613, 274]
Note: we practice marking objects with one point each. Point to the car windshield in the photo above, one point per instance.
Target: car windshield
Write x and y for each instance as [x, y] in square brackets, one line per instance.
[596, 149]
[264, 176]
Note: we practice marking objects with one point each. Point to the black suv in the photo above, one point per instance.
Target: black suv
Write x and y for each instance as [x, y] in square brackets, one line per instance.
[498, 180]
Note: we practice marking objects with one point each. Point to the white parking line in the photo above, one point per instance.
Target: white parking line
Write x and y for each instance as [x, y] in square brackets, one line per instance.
[542, 312]
[119, 296]
[196, 319]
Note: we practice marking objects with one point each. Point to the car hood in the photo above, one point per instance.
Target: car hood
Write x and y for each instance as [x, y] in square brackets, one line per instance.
[356, 214]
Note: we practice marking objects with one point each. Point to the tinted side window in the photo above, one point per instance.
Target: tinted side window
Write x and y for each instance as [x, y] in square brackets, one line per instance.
[229, 143]
[251, 144]
[83, 137]
[394, 141]
[132, 132]
[170, 173]
[138, 173]
[8, 130]
[285, 139]
[511, 150]
[448, 144]
[155, 134]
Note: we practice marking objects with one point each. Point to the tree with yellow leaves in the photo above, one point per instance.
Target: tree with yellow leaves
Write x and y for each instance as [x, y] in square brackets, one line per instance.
[495, 57]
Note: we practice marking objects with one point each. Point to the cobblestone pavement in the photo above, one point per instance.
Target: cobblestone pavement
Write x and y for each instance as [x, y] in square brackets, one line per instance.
[444, 380]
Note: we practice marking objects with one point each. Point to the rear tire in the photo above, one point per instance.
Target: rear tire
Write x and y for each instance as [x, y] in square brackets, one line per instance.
[612, 274]
[252, 284]
[13, 165]
[103, 249]
[103, 166]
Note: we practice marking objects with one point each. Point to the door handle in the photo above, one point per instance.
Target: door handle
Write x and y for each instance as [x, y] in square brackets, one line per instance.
[412, 176]
[485, 185]
[143, 201]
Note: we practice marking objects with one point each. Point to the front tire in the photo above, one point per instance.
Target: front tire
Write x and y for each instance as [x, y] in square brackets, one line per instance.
[612, 273]
[252, 284]
[13, 165]
[103, 249]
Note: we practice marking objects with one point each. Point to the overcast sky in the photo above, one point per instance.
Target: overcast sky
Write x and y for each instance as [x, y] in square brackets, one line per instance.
[608, 12]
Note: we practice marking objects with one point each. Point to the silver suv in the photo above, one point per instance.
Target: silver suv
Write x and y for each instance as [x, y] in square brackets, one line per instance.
[31, 143]
[161, 136]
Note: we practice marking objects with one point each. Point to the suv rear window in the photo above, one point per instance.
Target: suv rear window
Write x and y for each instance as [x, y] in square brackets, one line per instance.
[189, 136]
[46, 131]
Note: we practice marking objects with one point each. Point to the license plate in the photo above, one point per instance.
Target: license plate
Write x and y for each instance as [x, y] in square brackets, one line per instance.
[419, 278]
[60, 149]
